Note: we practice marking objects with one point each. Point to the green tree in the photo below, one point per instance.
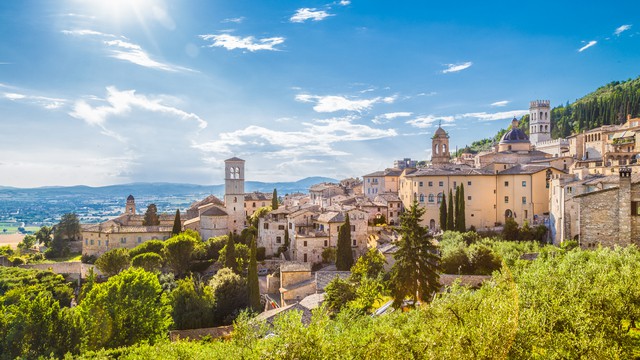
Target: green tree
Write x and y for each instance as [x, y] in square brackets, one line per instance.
[179, 251]
[338, 293]
[151, 216]
[287, 240]
[192, 304]
[252, 279]
[241, 254]
[177, 224]
[154, 246]
[510, 231]
[344, 255]
[213, 246]
[255, 217]
[230, 294]
[150, 261]
[89, 283]
[329, 255]
[274, 200]
[113, 261]
[461, 224]
[415, 272]
[451, 225]
[370, 265]
[443, 213]
[27, 242]
[127, 309]
[230, 254]
[44, 235]
[69, 227]
[456, 209]
[483, 260]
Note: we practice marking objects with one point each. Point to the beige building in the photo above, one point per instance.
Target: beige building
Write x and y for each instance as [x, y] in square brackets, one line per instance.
[254, 201]
[380, 182]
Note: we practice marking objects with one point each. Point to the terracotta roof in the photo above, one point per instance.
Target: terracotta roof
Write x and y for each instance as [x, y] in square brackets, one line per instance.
[257, 196]
[214, 211]
[211, 199]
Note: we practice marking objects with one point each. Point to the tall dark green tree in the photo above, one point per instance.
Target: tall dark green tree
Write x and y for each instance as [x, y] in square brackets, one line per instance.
[44, 235]
[177, 224]
[344, 256]
[443, 212]
[287, 241]
[151, 216]
[450, 212]
[415, 272]
[252, 278]
[68, 227]
[274, 200]
[456, 209]
[461, 222]
[230, 256]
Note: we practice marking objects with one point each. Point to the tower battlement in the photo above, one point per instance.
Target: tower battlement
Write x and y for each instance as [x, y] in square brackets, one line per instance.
[539, 103]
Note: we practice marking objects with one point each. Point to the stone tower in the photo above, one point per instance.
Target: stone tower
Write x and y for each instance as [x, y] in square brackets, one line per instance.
[130, 208]
[234, 193]
[440, 147]
[539, 121]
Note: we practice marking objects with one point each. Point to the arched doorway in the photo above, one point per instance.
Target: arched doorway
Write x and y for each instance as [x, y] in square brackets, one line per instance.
[508, 214]
[432, 224]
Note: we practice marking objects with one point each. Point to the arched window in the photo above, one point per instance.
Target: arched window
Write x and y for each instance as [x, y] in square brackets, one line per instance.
[541, 116]
[235, 199]
[436, 149]
[421, 197]
[546, 116]
[431, 198]
[444, 148]
[432, 224]
[440, 197]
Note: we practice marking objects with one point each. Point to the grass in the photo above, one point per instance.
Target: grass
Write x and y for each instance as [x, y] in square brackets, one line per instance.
[68, 258]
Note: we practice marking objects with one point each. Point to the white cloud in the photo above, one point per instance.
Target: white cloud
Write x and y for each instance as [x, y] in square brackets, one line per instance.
[332, 103]
[236, 20]
[456, 67]
[121, 103]
[483, 116]
[86, 32]
[622, 29]
[589, 44]
[133, 53]
[429, 120]
[345, 2]
[231, 42]
[500, 103]
[46, 102]
[304, 14]
[385, 118]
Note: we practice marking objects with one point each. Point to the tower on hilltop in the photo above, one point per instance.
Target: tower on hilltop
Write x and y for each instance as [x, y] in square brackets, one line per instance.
[539, 121]
[440, 147]
[130, 208]
[234, 193]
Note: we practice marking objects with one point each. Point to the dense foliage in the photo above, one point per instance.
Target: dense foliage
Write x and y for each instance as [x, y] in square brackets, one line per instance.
[344, 255]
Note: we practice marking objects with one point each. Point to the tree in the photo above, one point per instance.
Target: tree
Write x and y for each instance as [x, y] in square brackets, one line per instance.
[329, 255]
[192, 304]
[27, 242]
[44, 235]
[230, 254]
[178, 252]
[177, 225]
[150, 261]
[151, 216]
[59, 246]
[127, 309]
[415, 273]
[483, 260]
[450, 214]
[68, 227]
[369, 265]
[274, 200]
[113, 261]
[461, 213]
[338, 293]
[456, 209]
[154, 246]
[241, 253]
[255, 217]
[89, 283]
[287, 241]
[230, 294]
[344, 256]
[252, 279]
[213, 246]
[510, 230]
[443, 212]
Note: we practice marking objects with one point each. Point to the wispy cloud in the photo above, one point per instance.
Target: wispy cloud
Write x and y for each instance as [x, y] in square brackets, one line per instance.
[500, 103]
[304, 14]
[332, 103]
[457, 67]
[46, 102]
[236, 20]
[385, 118]
[344, 2]
[121, 103]
[621, 29]
[484, 116]
[589, 44]
[423, 122]
[231, 42]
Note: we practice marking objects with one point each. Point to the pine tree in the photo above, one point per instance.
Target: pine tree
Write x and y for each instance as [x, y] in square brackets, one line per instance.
[287, 241]
[450, 214]
[151, 216]
[456, 209]
[177, 224]
[344, 257]
[443, 212]
[415, 272]
[461, 214]
[252, 278]
[230, 259]
[274, 200]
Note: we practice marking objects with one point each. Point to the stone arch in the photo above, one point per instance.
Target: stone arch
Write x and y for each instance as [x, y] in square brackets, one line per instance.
[508, 213]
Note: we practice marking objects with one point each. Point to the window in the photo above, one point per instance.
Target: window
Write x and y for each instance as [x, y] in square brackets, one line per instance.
[430, 183]
[353, 228]
[635, 210]
[278, 239]
[106, 243]
[431, 198]
[354, 242]
[254, 204]
[290, 225]
[280, 227]
[326, 243]
[139, 239]
[99, 243]
[305, 257]
[524, 184]
[526, 214]
[506, 199]
[391, 214]
[506, 183]
[524, 200]
[86, 241]
[421, 183]
[469, 183]
[265, 226]
[441, 183]
[439, 198]
[455, 184]
[304, 243]
[469, 197]
[421, 197]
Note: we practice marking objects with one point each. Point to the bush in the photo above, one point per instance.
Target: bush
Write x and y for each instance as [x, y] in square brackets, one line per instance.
[261, 253]
[113, 261]
[150, 261]
[88, 259]
[17, 261]
[213, 246]
[154, 246]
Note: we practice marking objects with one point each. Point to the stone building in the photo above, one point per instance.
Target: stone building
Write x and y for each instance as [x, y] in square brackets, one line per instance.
[440, 148]
[254, 201]
[380, 182]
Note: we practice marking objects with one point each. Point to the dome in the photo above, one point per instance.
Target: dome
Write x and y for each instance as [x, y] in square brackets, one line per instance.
[130, 198]
[440, 133]
[515, 135]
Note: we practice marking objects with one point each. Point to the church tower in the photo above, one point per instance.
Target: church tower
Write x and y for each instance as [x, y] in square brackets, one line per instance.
[539, 121]
[130, 208]
[234, 193]
[440, 147]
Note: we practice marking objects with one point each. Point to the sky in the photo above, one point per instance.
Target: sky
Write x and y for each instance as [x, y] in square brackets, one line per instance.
[97, 92]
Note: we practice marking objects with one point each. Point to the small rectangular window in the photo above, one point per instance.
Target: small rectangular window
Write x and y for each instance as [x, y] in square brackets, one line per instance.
[290, 225]
[280, 227]
[353, 228]
[441, 183]
[455, 184]
[266, 226]
[635, 208]
[506, 199]
[524, 199]
[468, 197]
[326, 243]
[278, 239]
[430, 183]
[106, 243]
[354, 242]
[469, 183]
[91, 241]
[506, 183]
[139, 239]
[305, 243]
[524, 184]
[420, 183]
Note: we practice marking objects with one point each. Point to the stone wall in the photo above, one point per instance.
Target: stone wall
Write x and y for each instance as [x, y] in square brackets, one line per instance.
[198, 334]
[73, 269]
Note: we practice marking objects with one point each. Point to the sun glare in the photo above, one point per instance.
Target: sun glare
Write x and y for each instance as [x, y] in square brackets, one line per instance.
[122, 12]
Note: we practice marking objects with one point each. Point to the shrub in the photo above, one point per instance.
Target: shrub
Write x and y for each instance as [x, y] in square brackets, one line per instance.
[261, 253]
[88, 259]
[150, 261]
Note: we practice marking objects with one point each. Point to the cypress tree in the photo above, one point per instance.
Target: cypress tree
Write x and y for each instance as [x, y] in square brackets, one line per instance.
[230, 256]
[177, 224]
[443, 212]
[274, 200]
[287, 241]
[344, 257]
[450, 215]
[462, 225]
[252, 278]
[456, 208]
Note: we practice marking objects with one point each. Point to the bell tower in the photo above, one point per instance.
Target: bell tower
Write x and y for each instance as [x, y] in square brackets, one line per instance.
[130, 208]
[234, 193]
[440, 147]
[539, 121]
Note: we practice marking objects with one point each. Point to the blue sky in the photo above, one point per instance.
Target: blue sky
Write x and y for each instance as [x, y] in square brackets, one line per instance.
[104, 92]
